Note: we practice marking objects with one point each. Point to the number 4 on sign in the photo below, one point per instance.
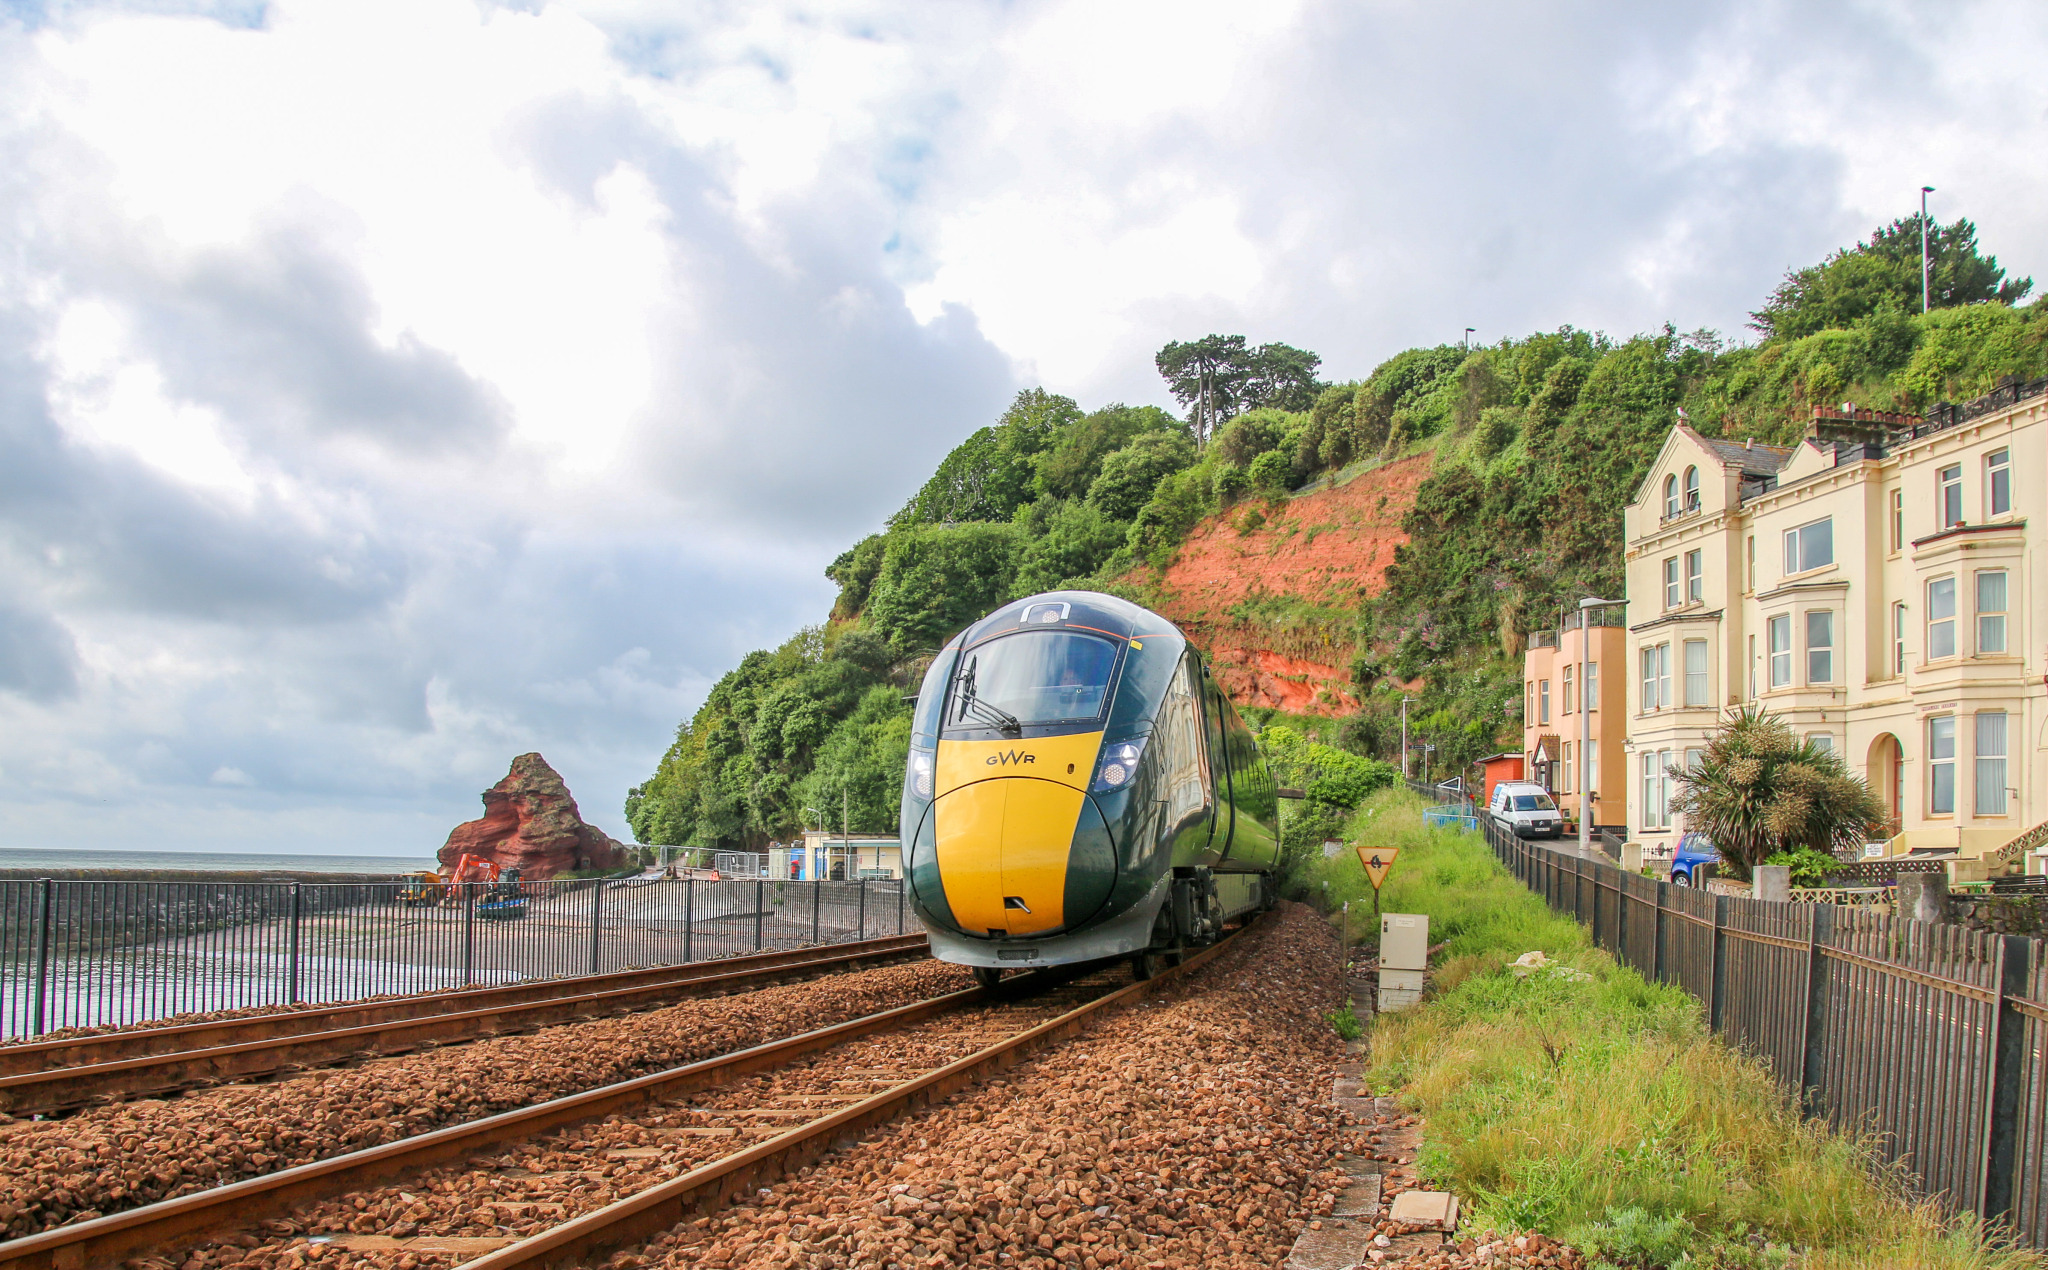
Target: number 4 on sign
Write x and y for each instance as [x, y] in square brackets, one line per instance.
[1377, 861]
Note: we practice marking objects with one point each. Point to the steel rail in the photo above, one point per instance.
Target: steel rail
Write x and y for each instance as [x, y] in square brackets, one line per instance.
[168, 1223]
[585, 1240]
[475, 1014]
[171, 1038]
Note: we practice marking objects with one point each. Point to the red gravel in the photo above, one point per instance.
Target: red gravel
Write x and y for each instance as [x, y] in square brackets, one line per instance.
[1194, 1129]
[106, 1159]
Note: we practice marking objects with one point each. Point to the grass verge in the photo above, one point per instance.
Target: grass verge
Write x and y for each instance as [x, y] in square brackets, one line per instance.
[1584, 1102]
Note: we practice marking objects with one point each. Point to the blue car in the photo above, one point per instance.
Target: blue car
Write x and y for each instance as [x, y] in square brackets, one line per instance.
[1695, 851]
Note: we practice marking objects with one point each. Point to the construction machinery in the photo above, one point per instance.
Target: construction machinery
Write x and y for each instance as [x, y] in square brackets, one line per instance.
[505, 900]
[422, 889]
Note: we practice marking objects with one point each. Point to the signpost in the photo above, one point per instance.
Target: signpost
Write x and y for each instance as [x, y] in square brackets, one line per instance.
[1377, 861]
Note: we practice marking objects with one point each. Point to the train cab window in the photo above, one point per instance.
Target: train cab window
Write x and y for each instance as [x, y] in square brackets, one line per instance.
[1031, 677]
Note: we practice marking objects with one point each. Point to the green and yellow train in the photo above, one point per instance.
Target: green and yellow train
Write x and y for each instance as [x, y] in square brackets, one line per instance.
[1079, 788]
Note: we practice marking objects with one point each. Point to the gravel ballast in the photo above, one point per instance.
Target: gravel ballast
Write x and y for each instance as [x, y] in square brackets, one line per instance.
[1192, 1129]
[107, 1159]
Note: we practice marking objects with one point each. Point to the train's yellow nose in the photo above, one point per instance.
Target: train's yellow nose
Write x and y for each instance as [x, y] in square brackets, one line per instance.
[1003, 847]
[1005, 818]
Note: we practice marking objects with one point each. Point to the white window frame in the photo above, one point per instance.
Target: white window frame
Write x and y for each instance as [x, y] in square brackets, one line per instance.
[1998, 482]
[1941, 765]
[1542, 701]
[1778, 648]
[1671, 591]
[1799, 545]
[1825, 740]
[1820, 646]
[1948, 496]
[1671, 497]
[1695, 576]
[1569, 667]
[1992, 741]
[1941, 618]
[1899, 637]
[1696, 686]
[1656, 791]
[1592, 693]
[1691, 489]
[1992, 635]
[1898, 521]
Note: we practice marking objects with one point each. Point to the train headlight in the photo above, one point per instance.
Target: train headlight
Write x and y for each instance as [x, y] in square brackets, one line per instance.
[921, 773]
[1119, 765]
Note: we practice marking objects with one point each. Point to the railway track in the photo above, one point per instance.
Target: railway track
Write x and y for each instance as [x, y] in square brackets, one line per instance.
[564, 1182]
[51, 1076]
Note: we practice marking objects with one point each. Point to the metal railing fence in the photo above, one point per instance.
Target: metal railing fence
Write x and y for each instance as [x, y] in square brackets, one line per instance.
[96, 954]
[1931, 1037]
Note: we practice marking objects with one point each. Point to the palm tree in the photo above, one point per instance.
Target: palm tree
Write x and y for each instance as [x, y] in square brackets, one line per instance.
[1759, 789]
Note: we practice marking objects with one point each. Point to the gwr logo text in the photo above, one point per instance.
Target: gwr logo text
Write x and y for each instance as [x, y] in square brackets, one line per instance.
[1003, 758]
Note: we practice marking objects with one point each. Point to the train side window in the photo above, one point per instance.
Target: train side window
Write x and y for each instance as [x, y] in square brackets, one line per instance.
[1178, 735]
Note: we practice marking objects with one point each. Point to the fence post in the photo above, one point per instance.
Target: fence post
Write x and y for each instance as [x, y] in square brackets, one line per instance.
[902, 885]
[43, 906]
[1820, 926]
[2008, 1057]
[468, 934]
[596, 920]
[817, 902]
[1715, 994]
[760, 905]
[863, 908]
[1592, 875]
[292, 953]
[689, 914]
[1657, 954]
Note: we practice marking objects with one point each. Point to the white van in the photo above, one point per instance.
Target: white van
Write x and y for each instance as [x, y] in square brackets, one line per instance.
[1525, 808]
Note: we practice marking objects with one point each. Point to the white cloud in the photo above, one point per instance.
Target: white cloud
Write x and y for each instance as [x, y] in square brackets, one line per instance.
[390, 386]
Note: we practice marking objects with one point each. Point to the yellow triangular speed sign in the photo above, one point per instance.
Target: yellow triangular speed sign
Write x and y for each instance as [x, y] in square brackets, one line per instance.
[1377, 861]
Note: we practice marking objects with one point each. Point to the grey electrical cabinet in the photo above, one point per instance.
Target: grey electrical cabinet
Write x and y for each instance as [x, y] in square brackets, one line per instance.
[1404, 941]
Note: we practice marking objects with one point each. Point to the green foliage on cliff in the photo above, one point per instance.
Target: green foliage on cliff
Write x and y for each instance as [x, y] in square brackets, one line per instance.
[1538, 443]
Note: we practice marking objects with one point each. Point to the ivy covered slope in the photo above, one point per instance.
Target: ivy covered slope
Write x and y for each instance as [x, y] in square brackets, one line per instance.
[1505, 466]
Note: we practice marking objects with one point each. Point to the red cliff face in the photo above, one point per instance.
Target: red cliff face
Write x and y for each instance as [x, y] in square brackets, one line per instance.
[530, 822]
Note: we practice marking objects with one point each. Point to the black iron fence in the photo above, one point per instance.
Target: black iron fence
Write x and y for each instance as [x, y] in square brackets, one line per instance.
[1931, 1037]
[93, 954]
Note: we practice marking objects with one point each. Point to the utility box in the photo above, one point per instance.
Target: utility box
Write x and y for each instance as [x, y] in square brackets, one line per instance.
[1400, 980]
[1404, 941]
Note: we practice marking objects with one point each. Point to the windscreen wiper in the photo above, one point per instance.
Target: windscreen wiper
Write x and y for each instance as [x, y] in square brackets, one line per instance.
[991, 715]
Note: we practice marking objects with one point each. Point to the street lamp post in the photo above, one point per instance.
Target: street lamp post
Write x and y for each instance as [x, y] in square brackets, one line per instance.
[1925, 190]
[1586, 607]
[1404, 737]
[1468, 337]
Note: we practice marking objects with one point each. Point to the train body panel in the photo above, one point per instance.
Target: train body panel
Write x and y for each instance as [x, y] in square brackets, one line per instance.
[1076, 786]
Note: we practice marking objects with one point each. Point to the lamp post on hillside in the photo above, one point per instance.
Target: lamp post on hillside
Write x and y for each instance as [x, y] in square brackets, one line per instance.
[1586, 703]
[1925, 190]
[1404, 737]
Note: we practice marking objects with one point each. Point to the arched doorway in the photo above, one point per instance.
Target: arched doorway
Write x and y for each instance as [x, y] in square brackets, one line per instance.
[1886, 771]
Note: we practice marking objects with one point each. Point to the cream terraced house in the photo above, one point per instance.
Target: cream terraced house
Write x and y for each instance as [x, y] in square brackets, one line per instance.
[1887, 595]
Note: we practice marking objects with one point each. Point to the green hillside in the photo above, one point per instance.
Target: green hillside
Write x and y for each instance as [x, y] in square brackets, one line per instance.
[1537, 443]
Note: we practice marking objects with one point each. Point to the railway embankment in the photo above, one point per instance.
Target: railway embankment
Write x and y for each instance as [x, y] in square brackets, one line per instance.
[112, 1158]
[1571, 1097]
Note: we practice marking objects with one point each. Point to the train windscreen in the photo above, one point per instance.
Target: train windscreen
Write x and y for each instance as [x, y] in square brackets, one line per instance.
[1031, 677]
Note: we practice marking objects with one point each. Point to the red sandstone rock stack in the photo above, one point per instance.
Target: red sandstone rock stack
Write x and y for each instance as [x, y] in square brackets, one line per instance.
[530, 822]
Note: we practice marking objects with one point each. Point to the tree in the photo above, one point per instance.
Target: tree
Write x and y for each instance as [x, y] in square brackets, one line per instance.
[1219, 376]
[1129, 476]
[936, 579]
[989, 475]
[1760, 790]
[1856, 282]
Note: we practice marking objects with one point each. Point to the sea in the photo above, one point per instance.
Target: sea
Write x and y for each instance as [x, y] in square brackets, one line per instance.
[208, 861]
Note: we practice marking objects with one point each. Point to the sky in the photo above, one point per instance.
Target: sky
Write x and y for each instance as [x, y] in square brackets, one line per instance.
[391, 387]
